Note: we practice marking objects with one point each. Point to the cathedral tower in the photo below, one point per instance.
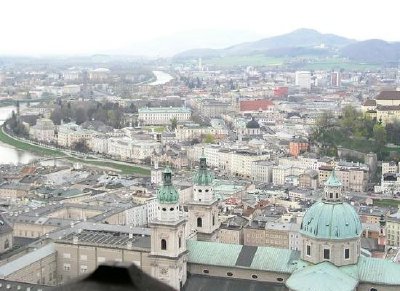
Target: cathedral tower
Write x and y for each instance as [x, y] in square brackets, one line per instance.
[203, 208]
[168, 237]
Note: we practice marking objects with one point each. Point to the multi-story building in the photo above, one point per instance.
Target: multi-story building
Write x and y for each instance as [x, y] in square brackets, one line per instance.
[389, 167]
[255, 106]
[296, 147]
[261, 171]
[44, 130]
[188, 132]
[393, 229]
[303, 79]
[163, 115]
[129, 149]
[70, 134]
[354, 177]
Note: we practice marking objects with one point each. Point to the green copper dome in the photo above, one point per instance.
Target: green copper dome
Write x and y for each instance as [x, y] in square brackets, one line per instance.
[203, 176]
[333, 180]
[167, 193]
[326, 220]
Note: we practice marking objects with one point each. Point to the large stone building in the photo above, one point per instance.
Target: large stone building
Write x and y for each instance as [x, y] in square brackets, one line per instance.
[163, 115]
[44, 130]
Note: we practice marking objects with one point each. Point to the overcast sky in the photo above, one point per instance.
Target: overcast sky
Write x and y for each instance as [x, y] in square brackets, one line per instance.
[91, 26]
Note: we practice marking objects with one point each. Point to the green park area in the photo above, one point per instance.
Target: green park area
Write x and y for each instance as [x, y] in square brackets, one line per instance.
[355, 131]
[386, 202]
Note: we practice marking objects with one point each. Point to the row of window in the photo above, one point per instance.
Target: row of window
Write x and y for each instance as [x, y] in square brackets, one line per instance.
[230, 274]
[327, 253]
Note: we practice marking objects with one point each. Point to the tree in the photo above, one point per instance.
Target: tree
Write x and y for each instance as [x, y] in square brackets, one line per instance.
[81, 146]
[208, 138]
[380, 136]
[174, 123]
[56, 116]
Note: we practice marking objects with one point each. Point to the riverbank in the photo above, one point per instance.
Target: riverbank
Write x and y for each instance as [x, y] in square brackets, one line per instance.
[43, 151]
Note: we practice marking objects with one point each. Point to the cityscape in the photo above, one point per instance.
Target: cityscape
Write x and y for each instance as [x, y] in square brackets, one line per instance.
[261, 161]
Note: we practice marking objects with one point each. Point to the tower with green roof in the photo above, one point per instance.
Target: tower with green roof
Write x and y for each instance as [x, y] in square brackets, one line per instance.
[331, 228]
[203, 207]
[168, 254]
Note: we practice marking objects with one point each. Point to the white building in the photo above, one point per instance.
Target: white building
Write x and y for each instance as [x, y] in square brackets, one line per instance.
[129, 149]
[303, 79]
[163, 115]
[43, 130]
[261, 171]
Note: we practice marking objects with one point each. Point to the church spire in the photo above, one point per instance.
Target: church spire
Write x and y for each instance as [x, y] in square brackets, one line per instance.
[203, 176]
[333, 188]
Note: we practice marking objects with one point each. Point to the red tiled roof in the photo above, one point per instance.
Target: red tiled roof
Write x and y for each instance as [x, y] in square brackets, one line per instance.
[255, 105]
[389, 95]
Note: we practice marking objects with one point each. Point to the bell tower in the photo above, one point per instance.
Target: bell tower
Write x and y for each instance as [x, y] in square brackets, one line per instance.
[333, 189]
[168, 237]
[203, 207]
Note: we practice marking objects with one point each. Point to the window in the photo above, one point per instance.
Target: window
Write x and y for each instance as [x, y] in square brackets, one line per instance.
[180, 242]
[66, 255]
[206, 271]
[279, 279]
[199, 222]
[347, 253]
[83, 257]
[230, 274]
[171, 209]
[213, 220]
[101, 259]
[67, 267]
[331, 195]
[373, 289]
[83, 269]
[327, 254]
[254, 276]
[308, 252]
[163, 244]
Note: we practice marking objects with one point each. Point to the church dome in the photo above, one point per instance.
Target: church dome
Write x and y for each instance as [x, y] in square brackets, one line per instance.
[203, 176]
[332, 221]
[252, 124]
[167, 193]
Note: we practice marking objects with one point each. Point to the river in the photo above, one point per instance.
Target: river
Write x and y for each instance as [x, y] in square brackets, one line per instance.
[11, 155]
[162, 78]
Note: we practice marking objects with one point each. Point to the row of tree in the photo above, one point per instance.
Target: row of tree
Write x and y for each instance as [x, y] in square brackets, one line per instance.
[353, 129]
[109, 113]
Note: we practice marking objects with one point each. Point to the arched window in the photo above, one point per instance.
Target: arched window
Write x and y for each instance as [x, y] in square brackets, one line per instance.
[163, 244]
[213, 220]
[199, 222]
[180, 242]
[6, 244]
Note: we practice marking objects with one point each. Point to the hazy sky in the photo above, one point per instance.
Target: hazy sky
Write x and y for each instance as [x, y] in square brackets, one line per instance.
[90, 26]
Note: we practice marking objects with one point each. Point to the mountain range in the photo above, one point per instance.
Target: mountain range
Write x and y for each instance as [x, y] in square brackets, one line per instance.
[308, 42]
